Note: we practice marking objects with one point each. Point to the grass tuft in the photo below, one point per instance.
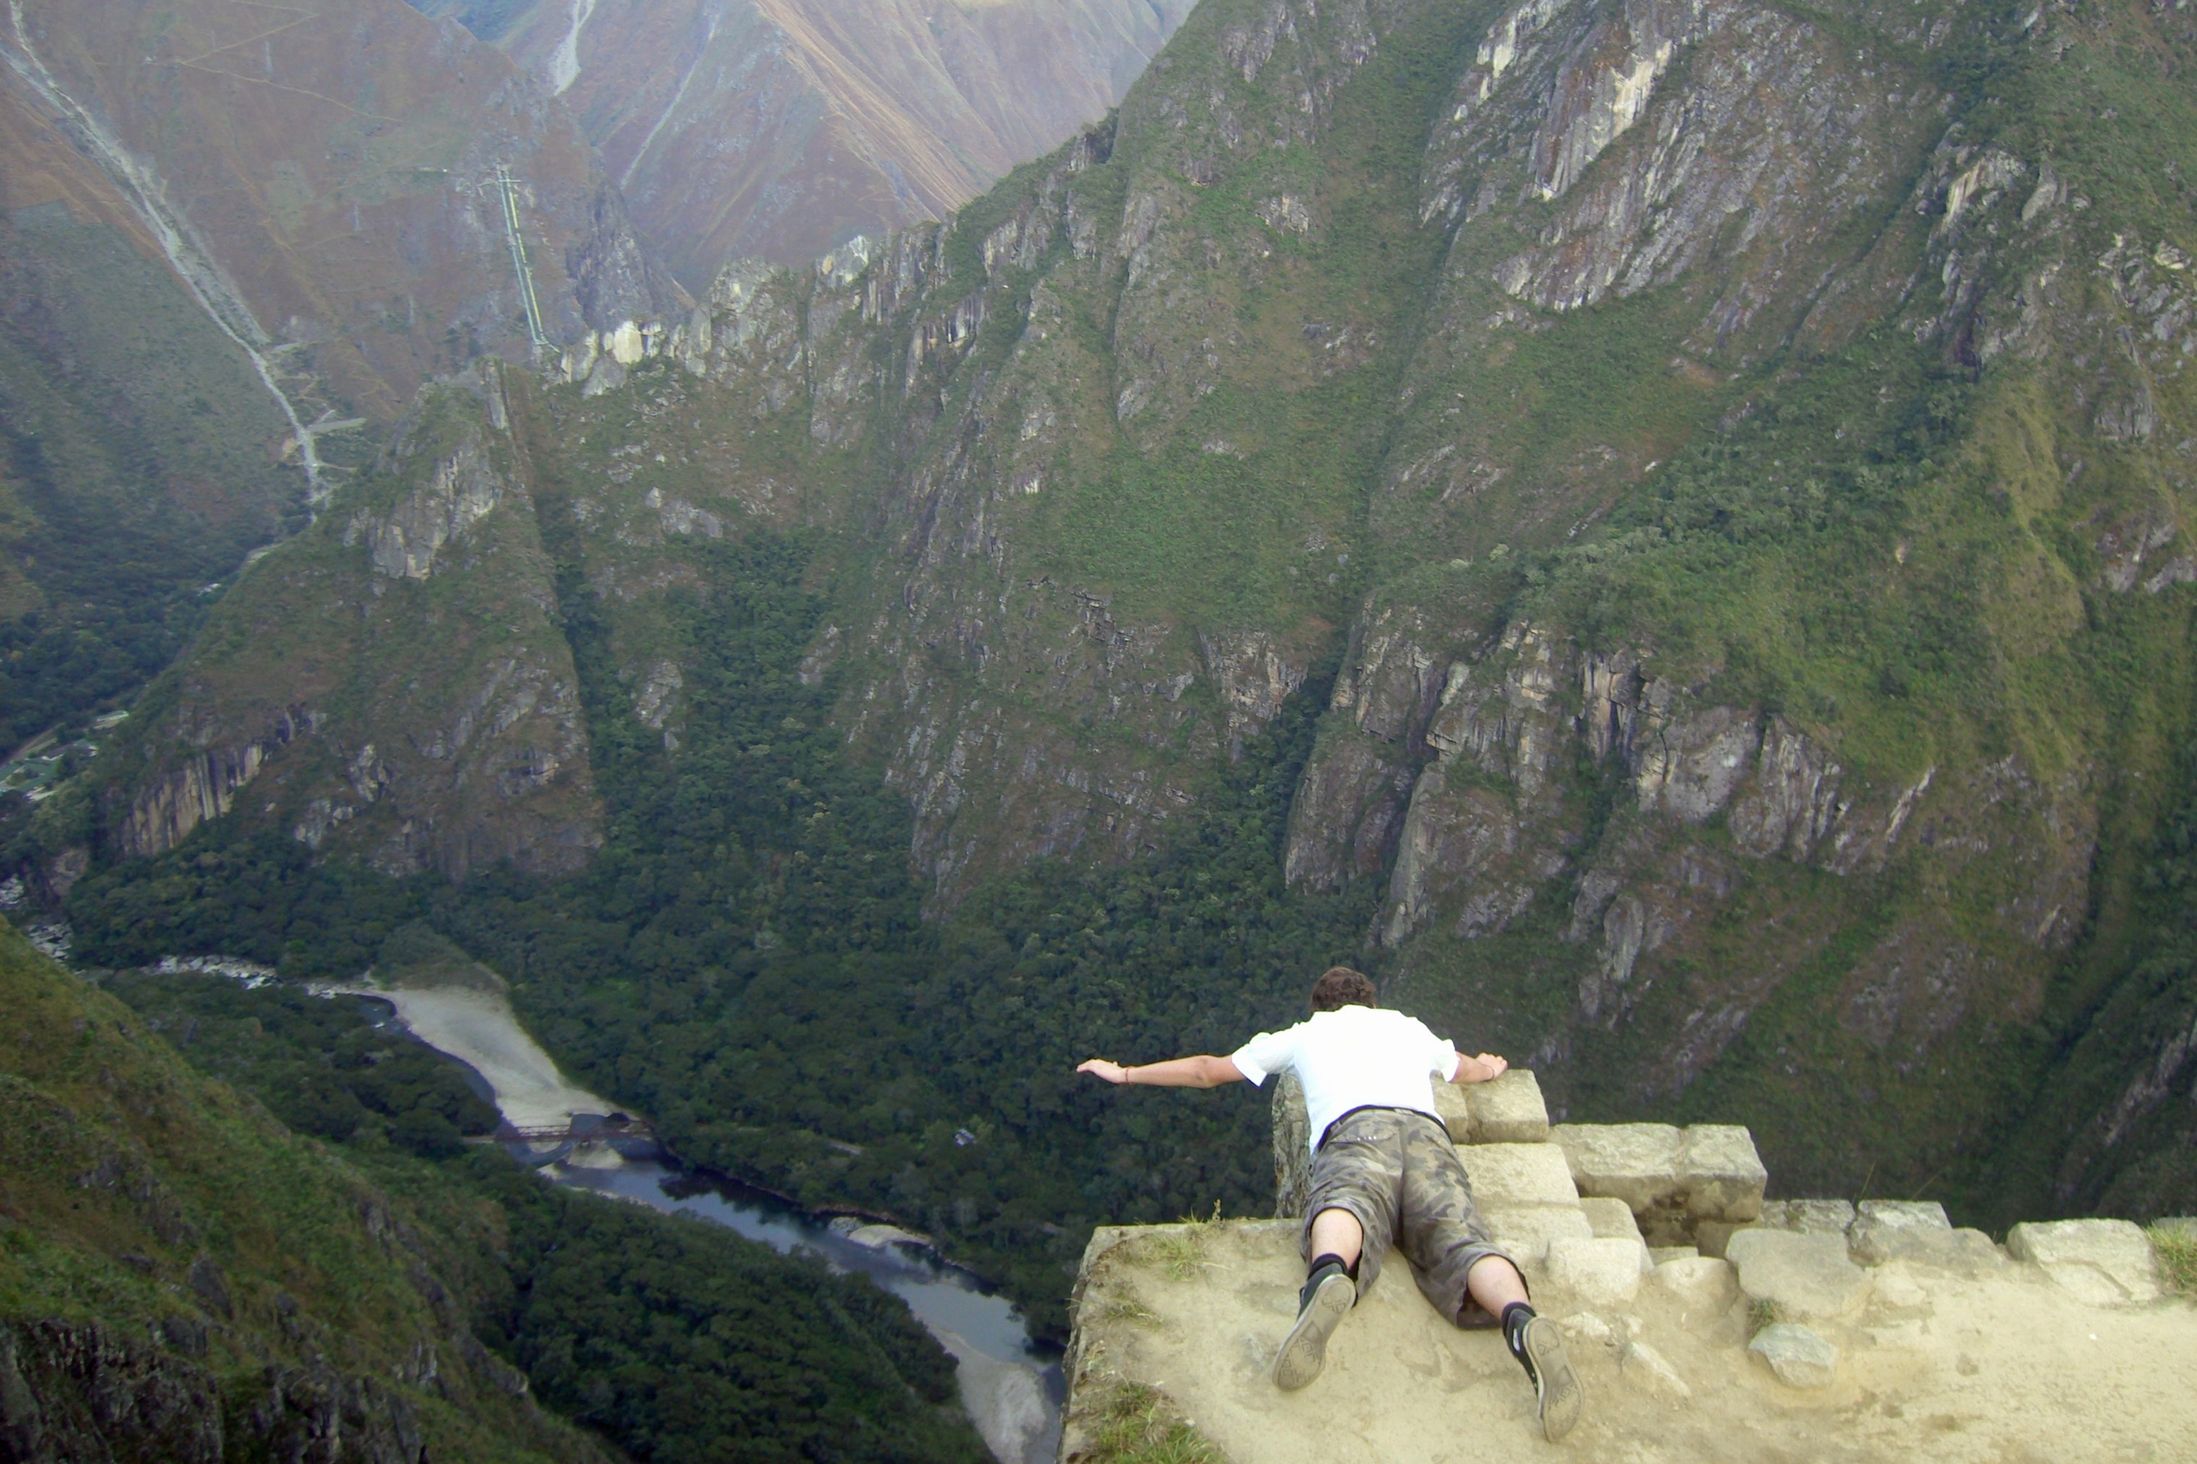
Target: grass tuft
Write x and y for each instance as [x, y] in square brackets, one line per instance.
[1137, 1425]
[1129, 1309]
[2176, 1248]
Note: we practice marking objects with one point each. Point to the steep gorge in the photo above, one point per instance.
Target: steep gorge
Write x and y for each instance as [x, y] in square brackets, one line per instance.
[1739, 455]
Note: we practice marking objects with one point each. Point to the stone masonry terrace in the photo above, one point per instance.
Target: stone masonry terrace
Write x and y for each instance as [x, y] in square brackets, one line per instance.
[1707, 1322]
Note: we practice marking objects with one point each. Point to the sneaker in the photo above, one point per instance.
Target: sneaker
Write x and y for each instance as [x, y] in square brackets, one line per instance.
[1320, 1306]
[1556, 1392]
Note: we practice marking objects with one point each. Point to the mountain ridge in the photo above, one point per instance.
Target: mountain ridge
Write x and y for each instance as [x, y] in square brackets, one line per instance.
[1735, 457]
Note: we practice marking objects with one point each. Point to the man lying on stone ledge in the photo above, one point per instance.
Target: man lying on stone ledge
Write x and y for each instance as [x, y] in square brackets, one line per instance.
[1383, 1172]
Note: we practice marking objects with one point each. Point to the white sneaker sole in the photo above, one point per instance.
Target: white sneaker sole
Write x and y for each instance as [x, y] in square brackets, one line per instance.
[1557, 1394]
[1304, 1350]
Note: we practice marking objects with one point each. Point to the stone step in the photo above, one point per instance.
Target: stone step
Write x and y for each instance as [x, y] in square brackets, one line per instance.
[1509, 1110]
[1673, 1179]
[1803, 1277]
[1611, 1219]
[1519, 1174]
[1526, 1231]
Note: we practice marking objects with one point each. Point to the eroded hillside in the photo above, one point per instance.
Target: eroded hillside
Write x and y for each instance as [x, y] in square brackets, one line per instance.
[1732, 459]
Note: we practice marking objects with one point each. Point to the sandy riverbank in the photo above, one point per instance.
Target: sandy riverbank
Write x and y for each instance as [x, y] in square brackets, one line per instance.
[479, 1029]
[475, 1024]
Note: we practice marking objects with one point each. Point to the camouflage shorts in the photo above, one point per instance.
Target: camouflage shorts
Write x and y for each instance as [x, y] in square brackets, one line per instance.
[1399, 1174]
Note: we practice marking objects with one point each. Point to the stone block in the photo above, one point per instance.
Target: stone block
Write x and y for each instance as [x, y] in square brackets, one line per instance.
[1595, 1271]
[2102, 1262]
[1809, 1217]
[1673, 1179]
[1805, 1277]
[1509, 1110]
[1904, 1214]
[1966, 1253]
[1703, 1285]
[1798, 1357]
[1526, 1230]
[1611, 1218]
[1633, 1162]
[1883, 1226]
[1455, 1112]
[1519, 1174]
[1725, 1176]
[1661, 1253]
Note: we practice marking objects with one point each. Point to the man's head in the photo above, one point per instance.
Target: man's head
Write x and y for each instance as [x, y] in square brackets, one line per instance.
[1339, 986]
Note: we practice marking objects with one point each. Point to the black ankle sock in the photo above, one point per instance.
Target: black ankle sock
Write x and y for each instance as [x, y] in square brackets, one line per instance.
[1329, 1258]
[1515, 1317]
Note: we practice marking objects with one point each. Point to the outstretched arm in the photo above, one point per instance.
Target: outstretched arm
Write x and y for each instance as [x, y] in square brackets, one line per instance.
[1484, 1068]
[1177, 1072]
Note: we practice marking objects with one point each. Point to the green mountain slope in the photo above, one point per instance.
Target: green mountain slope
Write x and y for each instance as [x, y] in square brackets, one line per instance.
[139, 453]
[181, 1278]
[1734, 457]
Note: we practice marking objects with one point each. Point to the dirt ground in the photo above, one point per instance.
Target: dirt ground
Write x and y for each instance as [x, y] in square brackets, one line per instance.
[2005, 1369]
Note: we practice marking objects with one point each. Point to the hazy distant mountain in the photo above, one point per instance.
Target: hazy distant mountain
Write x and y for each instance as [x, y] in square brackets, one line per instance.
[234, 240]
[325, 174]
[777, 128]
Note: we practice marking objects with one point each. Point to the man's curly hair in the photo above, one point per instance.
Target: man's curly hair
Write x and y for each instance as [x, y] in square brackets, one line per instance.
[1340, 986]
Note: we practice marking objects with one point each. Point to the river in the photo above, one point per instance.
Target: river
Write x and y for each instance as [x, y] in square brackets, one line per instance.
[1010, 1386]
[1011, 1389]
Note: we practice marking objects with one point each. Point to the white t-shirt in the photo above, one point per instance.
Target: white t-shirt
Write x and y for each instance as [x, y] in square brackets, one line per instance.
[1353, 1057]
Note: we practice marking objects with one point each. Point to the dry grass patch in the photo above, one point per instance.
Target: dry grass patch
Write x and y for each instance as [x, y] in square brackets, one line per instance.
[1138, 1425]
[2176, 1248]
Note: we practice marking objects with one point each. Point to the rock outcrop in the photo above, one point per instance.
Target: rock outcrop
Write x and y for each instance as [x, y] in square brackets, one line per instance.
[474, 755]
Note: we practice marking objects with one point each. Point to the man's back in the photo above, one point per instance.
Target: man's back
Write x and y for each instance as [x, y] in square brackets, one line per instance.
[1353, 1057]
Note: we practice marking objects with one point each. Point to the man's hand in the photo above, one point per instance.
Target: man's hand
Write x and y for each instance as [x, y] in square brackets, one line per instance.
[1483, 1068]
[1099, 1067]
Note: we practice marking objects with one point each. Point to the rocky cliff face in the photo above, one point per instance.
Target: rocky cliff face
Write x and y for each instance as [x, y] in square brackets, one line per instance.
[1742, 457]
[437, 724]
[79, 1390]
[774, 129]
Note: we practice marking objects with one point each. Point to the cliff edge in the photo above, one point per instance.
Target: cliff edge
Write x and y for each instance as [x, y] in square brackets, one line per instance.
[1706, 1322]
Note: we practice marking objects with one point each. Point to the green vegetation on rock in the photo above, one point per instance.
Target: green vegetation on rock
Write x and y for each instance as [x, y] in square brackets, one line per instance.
[151, 1197]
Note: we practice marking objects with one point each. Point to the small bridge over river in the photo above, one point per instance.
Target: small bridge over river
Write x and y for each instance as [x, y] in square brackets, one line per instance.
[631, 1137]
[582, 1128]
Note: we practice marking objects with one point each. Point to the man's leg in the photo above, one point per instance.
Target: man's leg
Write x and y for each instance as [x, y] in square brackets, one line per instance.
[1337, 1233]
[1534, 1340]
[1356, 1178]
[1495, 1283]
[1334, 1241]
[1466, 1277]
